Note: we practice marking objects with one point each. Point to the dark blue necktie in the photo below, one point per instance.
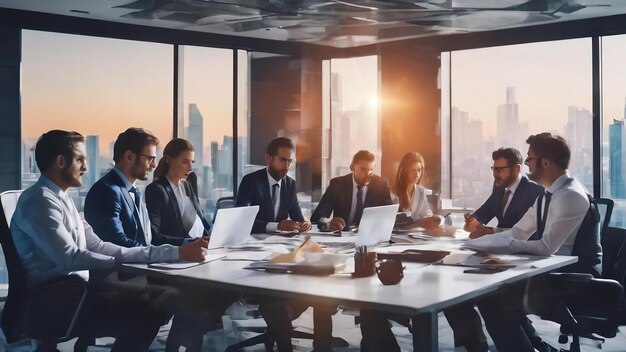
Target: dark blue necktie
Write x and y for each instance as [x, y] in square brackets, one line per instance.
[137, 194]
[359, 205]
[541, 218]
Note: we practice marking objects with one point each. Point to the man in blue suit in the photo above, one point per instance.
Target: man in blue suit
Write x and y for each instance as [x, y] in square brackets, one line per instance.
[113, 205]
[513, 194]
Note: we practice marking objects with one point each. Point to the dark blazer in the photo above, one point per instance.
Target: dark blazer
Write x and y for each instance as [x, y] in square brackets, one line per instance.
[255, 190]
[110, 210]
[337, 199]
[164, 212]
[524, 197]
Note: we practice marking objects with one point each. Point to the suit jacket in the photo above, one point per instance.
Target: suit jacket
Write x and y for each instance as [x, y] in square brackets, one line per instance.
[255, 190]
[164, 212]
[111, 212]
[524, 197]
[337, 199]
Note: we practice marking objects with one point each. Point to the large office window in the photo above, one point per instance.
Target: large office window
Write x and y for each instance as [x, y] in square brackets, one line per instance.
[206, 100]
[501, 95]
[613, 129]
[96, 86]
[355, 116]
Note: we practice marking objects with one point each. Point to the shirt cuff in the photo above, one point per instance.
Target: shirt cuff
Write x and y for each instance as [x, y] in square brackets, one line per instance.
[188, 240]
[271, 227]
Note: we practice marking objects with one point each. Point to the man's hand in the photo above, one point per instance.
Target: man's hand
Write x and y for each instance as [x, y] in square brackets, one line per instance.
[337, 224]
[480, 231]
[471, 224]
[304, 226]
[194, 251]
[289, 225]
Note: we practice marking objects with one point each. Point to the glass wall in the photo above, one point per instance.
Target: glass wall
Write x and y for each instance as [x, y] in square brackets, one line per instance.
[613, 129]
[206, 100]
[354, 114]
[96, 86]
[501, 95]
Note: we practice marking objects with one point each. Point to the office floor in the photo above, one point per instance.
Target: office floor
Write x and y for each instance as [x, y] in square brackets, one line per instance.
[344, 327]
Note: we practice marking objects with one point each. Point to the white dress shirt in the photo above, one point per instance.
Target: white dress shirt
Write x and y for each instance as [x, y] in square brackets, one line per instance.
[566, 212]
[513, 188]
[272, 226]
[419, 205]
[355, 189]
[52, 240]
[184, 202]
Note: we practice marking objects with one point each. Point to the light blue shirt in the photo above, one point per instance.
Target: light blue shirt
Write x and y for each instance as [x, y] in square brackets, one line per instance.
[52, 240]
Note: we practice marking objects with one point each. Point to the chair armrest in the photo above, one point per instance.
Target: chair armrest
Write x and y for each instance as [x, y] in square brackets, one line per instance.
[571, 277]
[52, 307]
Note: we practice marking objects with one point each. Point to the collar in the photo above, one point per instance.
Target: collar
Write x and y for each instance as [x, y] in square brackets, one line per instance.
[513, 187]
[355, 185]
[174, 186]
[271, 180]
[46, 181]
[127, 183]
[558, 183]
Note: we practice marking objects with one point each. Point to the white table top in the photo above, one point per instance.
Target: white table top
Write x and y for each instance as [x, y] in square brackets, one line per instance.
[425, 288]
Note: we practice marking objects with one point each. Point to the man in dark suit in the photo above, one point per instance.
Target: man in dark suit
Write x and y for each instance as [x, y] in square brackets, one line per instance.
[274, 192]
[511, 197]
[113, 205]
[347, 196]
[513, 194]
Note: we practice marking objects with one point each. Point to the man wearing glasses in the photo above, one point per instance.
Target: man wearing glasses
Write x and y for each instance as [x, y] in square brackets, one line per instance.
[512, 195]
[113, 205]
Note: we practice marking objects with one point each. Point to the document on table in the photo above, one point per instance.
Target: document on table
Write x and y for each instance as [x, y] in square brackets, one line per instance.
[185, 265]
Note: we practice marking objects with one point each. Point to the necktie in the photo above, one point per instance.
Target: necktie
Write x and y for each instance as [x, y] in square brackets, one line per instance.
[275, 195]
[359, 205]
[137, 194]
[541, 218]
[505, 198]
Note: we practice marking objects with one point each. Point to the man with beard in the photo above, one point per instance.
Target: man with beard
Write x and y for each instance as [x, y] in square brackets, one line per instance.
[347, 196]
[513, 194]
[561, 221]
[52, 241]
[511, 197]
[275, 194]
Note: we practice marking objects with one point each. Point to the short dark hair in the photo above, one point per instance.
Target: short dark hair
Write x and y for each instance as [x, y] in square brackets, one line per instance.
[54, 143]
[133, 139]
[277, 143]
[363, 155]
[512, 156]
[550, 146]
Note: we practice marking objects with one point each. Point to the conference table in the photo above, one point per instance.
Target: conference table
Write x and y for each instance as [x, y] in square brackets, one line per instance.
[425, 290]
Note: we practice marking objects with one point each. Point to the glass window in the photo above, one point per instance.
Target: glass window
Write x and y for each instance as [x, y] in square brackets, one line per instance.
[613, 129]
[355, 116]
[96, 86]
[501, 95]
[206, 98]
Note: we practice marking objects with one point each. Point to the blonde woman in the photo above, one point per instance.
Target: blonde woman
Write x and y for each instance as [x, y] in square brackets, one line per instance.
[411, 196]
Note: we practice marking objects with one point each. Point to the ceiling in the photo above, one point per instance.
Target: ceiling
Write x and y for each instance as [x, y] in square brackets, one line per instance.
[335, 23]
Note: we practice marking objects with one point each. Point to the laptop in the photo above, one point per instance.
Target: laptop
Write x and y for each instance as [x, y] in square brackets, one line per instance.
[376, 225]
[232, 226]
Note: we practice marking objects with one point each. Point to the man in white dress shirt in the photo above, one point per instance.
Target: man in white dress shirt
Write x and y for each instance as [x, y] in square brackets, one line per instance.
[562, 221]
[52, 240]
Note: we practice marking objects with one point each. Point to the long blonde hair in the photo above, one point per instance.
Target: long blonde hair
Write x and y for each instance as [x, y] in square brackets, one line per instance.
[401, 187]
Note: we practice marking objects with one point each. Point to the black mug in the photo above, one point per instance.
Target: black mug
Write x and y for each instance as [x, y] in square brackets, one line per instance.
[390, 271]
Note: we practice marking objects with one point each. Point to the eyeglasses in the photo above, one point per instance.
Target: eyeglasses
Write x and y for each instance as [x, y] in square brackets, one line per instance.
[500, 168]
[150, 158]
[529, 159]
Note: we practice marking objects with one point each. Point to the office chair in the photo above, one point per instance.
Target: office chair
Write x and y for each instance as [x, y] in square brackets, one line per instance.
[607, 312]
[224, 202]
[27, 313]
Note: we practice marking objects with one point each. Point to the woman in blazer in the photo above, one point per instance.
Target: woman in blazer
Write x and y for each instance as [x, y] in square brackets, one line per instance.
[173, 206]
[411, 196]
[175, 218]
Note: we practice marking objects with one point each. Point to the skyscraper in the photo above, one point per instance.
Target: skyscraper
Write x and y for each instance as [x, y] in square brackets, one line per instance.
[617, 159]
[194, 134]
[508, 122]
[93, 161]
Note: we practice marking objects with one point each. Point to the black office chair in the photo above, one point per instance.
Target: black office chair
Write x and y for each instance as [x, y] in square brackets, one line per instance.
[224, 202]
[28, 312]
[589, 305]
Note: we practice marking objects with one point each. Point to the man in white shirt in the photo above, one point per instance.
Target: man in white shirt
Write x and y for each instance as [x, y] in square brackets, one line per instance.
[52, 240]
[560, 222]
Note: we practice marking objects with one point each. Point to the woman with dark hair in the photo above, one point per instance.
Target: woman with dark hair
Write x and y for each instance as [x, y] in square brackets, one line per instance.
[411, 196]
[173, 205]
